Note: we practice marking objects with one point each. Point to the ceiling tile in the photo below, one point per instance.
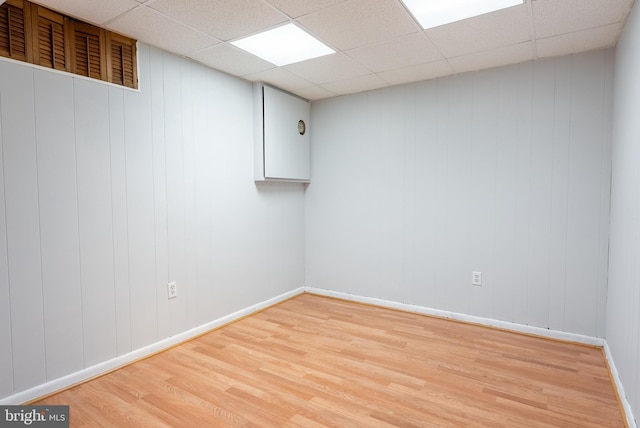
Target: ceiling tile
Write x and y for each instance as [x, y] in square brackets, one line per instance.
[223, 19]
[314, 93]
[328, 68]
[357, 84]
[372, 37]
[581, 41]
[94, 11]
[297, 8]
[283, 79]
[417, 73]
[232, 60]
[401, 52]
[360, 22]
[502, 28]
[501, 56]
[553, 17]
[151, 27]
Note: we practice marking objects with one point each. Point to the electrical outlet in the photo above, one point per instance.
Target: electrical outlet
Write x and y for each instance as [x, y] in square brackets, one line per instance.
[172, 290]
[476, 278]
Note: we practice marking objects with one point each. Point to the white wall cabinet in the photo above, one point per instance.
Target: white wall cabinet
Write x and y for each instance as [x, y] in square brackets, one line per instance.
[281, 142]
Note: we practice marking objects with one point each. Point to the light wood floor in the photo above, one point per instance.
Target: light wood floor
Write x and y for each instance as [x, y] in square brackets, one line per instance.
[314, 361]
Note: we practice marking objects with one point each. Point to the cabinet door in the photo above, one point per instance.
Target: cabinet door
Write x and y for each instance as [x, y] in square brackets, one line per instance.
[286, 148]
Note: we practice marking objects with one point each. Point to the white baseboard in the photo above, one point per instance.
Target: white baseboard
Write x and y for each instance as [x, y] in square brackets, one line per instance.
[520, 328]
[620, 387]
[106, 366]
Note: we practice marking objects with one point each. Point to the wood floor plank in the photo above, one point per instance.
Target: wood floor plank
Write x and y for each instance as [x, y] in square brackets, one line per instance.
[313, 361]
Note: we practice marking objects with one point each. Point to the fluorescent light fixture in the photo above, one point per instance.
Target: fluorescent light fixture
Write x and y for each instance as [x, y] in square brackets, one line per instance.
[432, 13]
[284, 45]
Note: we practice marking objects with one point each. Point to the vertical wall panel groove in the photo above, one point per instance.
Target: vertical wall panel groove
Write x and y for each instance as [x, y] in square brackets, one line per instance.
[504, 275]
[138, 132]
[77, 189]
[584, 191]
[605, 192]
[39, 215]
[202, 203]
[191, 292]
[58, 202]
[436, 202]
[119, 220]
[523, 192]
[95, 219]
[482, 201]
[559, 195]
[6, 352]
[543, 115]
[409, 192]
[173, 128]
[156, 86]
[457, 250]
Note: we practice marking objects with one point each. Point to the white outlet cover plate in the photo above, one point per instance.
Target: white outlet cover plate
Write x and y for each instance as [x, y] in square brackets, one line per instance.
[476, 278]
[172, 290]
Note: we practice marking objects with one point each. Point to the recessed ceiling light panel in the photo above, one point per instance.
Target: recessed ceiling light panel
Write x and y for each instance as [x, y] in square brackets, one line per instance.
[284, 45]
[432, 13]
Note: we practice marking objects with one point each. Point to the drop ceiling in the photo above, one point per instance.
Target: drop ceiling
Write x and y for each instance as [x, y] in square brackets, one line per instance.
[377, 42]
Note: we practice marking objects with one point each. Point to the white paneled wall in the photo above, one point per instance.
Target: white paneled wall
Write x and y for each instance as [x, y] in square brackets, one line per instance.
[623, 305]
[504, 171]
[21, 206]
[107, 194]
[93, 173]
[59, 227]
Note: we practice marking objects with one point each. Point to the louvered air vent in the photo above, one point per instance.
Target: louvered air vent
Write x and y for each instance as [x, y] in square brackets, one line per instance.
[51, 50]
[88, 47]
[13, 43]
[122, 61]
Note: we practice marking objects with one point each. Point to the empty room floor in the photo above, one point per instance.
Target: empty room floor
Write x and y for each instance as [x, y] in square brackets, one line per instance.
[314, 361]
